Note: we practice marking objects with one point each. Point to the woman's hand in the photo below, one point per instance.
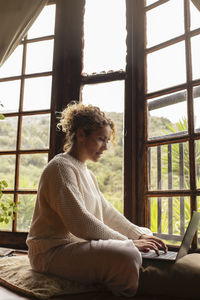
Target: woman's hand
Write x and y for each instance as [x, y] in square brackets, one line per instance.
[148, 242]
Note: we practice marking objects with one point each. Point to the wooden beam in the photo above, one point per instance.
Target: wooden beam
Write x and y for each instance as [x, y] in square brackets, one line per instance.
[134, 202]
[67, 65]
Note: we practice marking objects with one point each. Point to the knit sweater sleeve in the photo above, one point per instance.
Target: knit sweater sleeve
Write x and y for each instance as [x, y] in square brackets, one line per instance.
[115, 220]
[118, 222]
[67, 201]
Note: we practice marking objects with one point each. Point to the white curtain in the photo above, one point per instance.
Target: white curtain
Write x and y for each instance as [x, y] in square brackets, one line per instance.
[16, 17]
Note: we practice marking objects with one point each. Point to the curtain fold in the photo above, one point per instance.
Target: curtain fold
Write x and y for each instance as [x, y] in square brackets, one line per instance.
[16, 17]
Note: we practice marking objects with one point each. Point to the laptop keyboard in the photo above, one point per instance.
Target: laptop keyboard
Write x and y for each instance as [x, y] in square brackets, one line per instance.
[152, 254]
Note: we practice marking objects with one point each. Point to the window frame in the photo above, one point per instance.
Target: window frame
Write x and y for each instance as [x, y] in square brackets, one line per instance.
[66, 85]
[133, 76]
[16, 238]
[191, 136]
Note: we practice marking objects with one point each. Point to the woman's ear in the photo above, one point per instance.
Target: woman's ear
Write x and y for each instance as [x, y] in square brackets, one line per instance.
[80, 134]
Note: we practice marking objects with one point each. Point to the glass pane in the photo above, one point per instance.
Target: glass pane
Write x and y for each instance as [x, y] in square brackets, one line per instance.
[7, 170]
[37, 93]
[197, 157]
[35, 132]
[196, 95]
[194, 16]
[104, 36]
[109, 97]
[9, 96]
[39, 57]
[169, 216]
[165, 22]
[166, 67]
[3, 226]
[168, 167]
[8, 133]
[198, 209]
[149, 2]
[195, 44]
[44, 24]
[25, 212]
[13, 65]
[167, 115]
[31, 167]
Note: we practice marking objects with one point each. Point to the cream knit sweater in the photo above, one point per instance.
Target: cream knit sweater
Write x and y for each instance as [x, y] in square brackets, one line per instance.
[70, 207]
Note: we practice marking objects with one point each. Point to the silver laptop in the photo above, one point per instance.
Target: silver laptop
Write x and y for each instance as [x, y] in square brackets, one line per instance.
[151, 258]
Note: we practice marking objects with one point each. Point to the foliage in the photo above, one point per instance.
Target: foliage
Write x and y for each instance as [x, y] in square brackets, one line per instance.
[25, 212]
[7, 208]
[180, 126]
[1, 116]
[158, 126]
[108, 169]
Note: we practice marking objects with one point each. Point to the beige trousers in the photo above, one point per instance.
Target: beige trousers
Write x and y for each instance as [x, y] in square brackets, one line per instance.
[113, 263]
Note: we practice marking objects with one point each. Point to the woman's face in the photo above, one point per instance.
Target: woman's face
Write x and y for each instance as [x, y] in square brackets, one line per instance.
[95, 144]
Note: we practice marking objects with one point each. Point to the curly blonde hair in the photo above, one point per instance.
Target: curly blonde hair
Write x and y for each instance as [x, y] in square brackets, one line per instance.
[89, 118]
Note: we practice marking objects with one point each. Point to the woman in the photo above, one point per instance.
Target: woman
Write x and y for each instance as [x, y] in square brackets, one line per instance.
[75, 231]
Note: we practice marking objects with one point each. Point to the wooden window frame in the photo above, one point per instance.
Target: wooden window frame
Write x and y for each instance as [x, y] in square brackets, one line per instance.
[13, 238]
[66, 81]
[191, 136]
[64, 93]
[66, 84]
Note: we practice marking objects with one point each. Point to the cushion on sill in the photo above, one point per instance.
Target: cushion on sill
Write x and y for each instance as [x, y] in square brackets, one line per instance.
[181, 279]
[16, 274]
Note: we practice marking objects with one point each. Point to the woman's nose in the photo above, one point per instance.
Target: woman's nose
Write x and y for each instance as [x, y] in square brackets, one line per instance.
[106, 145]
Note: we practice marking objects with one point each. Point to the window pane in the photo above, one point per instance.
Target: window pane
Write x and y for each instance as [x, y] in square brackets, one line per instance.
[167, 115]
[169, 216]
[9, 96]
[195, 44]
[109, 170]
[194, 16]
[39, 57]
[166, 67]
[149, 2]
[8, 134]
[35, 132]
[25, 212]
[13, 65]
[198, 209]
[196, 95]
[108, 96]
[44, 24]
[168, 167]
[165, 22]
[31, 166]
[3, 226]
[104, 36]
[7, 170]
[37, 93]
[197, 156]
